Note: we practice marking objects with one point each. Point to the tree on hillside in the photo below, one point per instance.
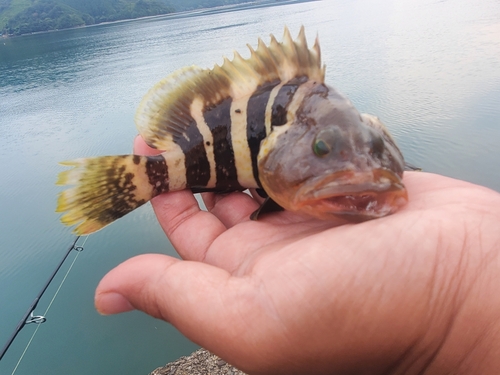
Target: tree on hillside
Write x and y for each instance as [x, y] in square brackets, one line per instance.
[43, 16]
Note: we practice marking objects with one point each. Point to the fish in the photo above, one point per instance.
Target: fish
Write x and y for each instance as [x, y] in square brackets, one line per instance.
[267, 122]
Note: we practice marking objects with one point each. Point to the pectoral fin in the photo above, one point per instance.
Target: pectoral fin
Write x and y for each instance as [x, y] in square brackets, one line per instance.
[266, 207]
[262, 193]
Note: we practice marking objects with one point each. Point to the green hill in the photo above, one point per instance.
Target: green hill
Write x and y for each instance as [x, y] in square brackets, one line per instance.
[9, 8]
[19, 17]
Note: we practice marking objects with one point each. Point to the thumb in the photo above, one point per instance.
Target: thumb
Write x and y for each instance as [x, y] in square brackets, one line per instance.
[194, 297]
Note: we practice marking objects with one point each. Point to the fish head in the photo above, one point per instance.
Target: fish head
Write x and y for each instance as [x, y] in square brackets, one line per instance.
[331, 161]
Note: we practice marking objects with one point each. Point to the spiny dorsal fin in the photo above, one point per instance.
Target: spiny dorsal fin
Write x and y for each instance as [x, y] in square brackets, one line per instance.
[165, 112]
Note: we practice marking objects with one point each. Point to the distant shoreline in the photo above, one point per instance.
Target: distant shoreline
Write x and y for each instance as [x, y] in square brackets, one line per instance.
[182, 14]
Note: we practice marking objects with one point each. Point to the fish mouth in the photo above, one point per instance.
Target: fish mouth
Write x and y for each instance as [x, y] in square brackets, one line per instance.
[355, 196]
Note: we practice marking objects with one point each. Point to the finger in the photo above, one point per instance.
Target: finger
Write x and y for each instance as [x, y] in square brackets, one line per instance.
[198, 299]
[190, 230]
[230, 209]
[141, 148]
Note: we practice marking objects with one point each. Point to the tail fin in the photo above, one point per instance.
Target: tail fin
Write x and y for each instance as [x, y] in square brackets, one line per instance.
[108, 188]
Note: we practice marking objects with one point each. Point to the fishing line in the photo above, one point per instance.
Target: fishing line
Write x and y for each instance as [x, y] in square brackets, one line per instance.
[38, 319]
[78, 249]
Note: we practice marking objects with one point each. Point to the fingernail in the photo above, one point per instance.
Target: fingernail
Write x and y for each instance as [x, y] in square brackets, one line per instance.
[112, 303]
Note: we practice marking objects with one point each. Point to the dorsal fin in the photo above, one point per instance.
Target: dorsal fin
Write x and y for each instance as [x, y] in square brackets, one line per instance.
[165, 112]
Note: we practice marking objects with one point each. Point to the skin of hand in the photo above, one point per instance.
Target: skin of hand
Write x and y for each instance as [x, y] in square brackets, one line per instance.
[416, 292]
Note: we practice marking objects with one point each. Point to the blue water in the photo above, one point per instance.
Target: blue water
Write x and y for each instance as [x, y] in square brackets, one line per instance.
[429, 69]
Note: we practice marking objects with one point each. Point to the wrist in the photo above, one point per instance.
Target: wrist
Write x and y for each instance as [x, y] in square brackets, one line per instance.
[472, 344]
[469, 316]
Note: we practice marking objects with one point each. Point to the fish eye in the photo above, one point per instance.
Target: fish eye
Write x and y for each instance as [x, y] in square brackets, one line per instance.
[320, 148]
[377, 145]
[324, 142]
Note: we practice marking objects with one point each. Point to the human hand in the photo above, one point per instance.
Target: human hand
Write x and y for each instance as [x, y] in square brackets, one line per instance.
[414, 292]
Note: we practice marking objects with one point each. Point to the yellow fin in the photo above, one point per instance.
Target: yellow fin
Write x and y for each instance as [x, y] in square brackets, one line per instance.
[106, 188]
[164, 113]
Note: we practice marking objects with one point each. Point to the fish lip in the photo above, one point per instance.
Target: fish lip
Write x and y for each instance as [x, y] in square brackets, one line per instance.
[356, 195]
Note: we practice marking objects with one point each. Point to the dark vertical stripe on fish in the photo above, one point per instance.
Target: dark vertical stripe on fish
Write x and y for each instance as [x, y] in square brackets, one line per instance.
[283, 99]
[157, 171]
[256, 123]
[196, 160]
[218, 120]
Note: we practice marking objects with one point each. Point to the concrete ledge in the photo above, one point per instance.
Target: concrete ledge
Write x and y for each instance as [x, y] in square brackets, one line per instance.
[201, 362]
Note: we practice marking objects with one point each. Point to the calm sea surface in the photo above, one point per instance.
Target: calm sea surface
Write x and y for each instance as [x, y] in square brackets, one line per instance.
[429, 69]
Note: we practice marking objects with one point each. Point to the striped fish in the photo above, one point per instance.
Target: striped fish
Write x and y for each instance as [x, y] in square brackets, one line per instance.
[268, 122]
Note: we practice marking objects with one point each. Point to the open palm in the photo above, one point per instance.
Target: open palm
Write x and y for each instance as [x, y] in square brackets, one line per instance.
[288, 294]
